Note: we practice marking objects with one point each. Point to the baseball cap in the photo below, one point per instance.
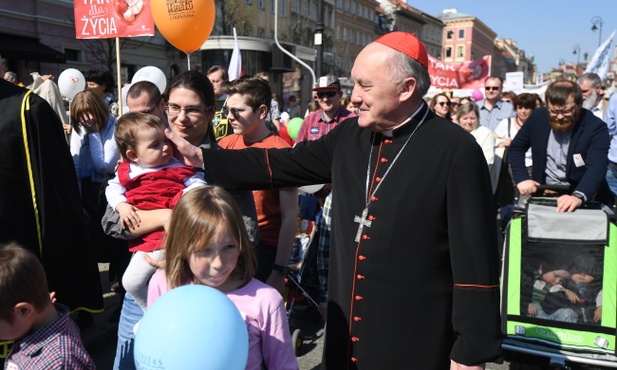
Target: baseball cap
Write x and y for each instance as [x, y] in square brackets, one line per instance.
[327, 82]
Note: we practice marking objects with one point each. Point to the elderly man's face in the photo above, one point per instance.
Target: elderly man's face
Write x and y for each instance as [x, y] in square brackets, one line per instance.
[375, 95]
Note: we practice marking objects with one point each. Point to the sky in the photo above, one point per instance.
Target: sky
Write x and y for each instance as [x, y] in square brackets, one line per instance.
[548, 29]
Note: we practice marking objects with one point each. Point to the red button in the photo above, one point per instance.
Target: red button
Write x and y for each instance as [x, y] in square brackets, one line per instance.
[361, 258]
[365, 237]
[371, 218]
[357, 319]
[353, 359]
[355, 339]
[388, 141]
[359, 298]
[360, 277]
[377, 179]
[383, 160]
[374, 199]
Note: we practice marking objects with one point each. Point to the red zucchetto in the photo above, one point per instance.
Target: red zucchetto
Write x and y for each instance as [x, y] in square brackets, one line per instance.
[406, 43]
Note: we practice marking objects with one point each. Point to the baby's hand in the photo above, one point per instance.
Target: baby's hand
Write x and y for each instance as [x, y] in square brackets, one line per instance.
[572, 297]
[533, 311]
[128, 216]
[597, 315]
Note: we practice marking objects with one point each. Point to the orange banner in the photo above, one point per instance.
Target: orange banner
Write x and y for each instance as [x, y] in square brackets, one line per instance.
[104, 19]
[467, 75]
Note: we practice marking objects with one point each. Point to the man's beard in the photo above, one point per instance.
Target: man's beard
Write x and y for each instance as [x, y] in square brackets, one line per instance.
[564, 124]
[590, 101]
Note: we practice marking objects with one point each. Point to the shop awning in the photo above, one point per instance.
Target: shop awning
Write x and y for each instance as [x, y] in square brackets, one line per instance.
[27, 48]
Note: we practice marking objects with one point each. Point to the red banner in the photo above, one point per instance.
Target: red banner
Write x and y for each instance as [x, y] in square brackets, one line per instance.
[104, 19]
[467, 75]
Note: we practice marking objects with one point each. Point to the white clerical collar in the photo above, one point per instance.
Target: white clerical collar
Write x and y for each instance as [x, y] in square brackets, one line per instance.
[390, 133]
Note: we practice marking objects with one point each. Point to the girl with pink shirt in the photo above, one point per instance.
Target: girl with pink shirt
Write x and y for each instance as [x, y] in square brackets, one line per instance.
[207, 243]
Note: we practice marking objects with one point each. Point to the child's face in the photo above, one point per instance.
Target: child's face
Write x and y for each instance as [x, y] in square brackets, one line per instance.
[555, 277]
[243, 119]
[581, 277]
[20, 327]
[153, 149]
[214, 265]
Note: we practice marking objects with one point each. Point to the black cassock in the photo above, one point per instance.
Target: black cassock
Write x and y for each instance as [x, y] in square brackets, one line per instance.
[40, 206]
[421, 285]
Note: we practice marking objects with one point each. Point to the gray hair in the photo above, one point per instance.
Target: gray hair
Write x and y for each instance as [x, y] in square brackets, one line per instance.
[403, 66]
[591, 77]
[10, 76]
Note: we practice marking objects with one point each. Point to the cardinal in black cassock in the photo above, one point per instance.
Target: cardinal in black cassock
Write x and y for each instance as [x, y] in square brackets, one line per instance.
[413, 258]
[40, 206]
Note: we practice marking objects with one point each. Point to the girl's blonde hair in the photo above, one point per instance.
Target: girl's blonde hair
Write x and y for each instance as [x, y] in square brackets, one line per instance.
[200, 216]
[87, 102]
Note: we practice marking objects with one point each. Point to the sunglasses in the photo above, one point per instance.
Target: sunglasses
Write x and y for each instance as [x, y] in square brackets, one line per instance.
[323, 94]
[442, 103]
[234, 112]
[489, 88]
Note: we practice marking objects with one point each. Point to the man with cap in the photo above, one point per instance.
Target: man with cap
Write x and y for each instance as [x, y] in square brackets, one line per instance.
[413, 264]
[328, 94]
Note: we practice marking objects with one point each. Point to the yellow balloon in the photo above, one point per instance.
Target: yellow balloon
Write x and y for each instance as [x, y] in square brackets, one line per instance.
[186, 24]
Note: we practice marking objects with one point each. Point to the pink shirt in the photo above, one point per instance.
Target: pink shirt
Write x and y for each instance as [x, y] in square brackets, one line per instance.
[263, 311]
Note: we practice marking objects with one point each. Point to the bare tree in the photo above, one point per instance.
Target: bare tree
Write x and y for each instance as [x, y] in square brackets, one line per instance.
[233, 13]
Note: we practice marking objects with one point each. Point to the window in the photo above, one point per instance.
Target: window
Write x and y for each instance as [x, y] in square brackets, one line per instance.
[449, 52]
[449, 34]
[339, 4]
[248, 1]
[260, 33]
[460, 51]
[73, 55]
[353, 6]
[313, 10]
[283, 8]
[260, 4]
[305, 11]
[346, 5]
[295, 6]
[272, 6]
[461, 34]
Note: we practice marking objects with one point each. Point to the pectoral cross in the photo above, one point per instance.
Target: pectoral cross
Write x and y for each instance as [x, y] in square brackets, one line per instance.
[362, 221]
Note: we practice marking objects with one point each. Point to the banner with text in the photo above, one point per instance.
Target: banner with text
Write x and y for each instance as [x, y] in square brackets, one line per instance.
[467, 75]
[104, 19]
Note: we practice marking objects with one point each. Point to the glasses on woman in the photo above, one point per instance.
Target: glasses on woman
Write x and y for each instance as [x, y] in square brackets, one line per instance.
[191, 112]
[235, 112]
[442, 103]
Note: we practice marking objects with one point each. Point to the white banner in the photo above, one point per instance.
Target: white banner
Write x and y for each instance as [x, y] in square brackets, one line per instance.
[601, 59]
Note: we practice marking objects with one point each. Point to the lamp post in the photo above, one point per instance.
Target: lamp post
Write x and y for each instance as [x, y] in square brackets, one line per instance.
[597, 25]
[577, 51]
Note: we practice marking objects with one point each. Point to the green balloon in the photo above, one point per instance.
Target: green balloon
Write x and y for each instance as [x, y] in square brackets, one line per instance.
[293, 126]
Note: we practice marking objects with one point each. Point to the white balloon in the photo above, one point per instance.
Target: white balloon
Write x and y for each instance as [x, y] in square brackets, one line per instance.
[152, 74]
[70, 82]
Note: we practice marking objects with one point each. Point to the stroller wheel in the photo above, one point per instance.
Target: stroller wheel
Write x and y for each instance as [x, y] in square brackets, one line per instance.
[296, 340]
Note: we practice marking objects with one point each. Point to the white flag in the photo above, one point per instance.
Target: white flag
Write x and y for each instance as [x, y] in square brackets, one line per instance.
[601, 59]
[235, 64]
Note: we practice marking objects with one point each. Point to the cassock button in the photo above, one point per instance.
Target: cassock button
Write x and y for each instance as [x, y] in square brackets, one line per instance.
[383, 160]
[374, 199]
[388, 141]
[353, 359]
[358, 298]
[355, 339]
[371, 218]
[377, 179]
[365, 237]
[360, 277]
[361, 258]
[357, 318]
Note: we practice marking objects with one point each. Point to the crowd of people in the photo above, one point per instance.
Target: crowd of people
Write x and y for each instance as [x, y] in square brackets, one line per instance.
[198, 184]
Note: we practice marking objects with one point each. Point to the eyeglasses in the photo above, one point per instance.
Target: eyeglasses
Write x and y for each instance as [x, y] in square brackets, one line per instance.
[235, 112]
[192, 112]
[442, 103]
[328, 94]
[563, 112]
[494, 88]
[149, 111]
[454, 104]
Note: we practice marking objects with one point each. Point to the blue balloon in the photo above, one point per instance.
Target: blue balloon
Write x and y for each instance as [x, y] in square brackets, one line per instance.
[192, 327]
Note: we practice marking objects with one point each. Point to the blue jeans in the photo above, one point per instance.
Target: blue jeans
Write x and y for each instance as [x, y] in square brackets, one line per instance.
[611, 180]
[129, 316]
